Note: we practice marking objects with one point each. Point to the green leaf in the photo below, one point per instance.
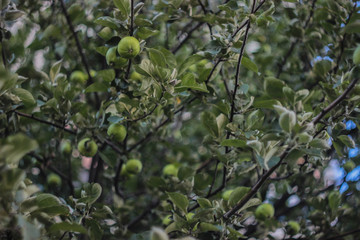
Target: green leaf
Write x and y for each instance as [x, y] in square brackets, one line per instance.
[94, 229]
[55, 69]
[334, 200]
[255, 144]
[25, 96]
[91, 193]
[108, 22]
[106, 75]
[67, 227]
[12, 15]
[233, 143]
[319, 143]
[237, 195]
[269, 103]
[15, 147]
[251, 203]
[208, 227]
[273, 87]
[188, 62]
[287, 121]
[11, 180]
[188, 82]
[124, 7]
[156, 57]
[353, 27]
[347, 141]
[209, 121]
[179, 200]
[185, 172]
[158, 234]
[246, 62]
[96, 87]
[204, 203]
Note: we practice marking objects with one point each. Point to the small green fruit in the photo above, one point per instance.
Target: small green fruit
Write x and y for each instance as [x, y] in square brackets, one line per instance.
[133, 166]
[106, 33]
[226, 194]
[120, 62]
[79, 77]
[111, 55]
[349, 165]
[65, 147]
[264, 211]
[92, 73]
[136, 76]
[87, 147]
[170, 170]
[128, 47]
[356, 56]
[293, 228]
[117, 131]
[53, 179]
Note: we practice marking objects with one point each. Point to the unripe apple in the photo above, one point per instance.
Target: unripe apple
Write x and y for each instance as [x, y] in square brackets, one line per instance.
[87, 147]
[53, 180]
[128, 47]
[79, 77]
[356, 56]
[226, 194]
[264, 211]
[106, 33]
[111, 55]
[133, 166]
[170, 170]
[136, 76]
[117, 131]
[65, 147]
[120, 62]
[293, 228]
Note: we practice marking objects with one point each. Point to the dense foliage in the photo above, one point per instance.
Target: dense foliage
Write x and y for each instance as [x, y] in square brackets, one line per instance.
[191, 119]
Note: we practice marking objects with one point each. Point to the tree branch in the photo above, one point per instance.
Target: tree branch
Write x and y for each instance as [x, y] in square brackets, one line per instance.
[45, 122]
[153, 204]
[78, 45]
[340, 236]
[335, 102]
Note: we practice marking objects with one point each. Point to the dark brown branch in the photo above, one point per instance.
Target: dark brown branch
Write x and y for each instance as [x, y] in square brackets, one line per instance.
[339, 237]
[45, 122]
[205, 12]
[78, 45]
[213, 181]
[188, 35]
[116, 179]
[3, 53]
[335, 102]
[154, 204]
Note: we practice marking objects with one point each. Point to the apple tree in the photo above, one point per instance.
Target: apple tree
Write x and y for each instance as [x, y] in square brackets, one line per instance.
[179, 119]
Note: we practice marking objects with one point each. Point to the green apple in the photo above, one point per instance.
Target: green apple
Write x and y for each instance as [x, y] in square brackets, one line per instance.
[111, 55]
[92, 73]
[87, 147]
[65, 147]
[136, 76]
[128, 47]
[106, 33]
[53, 179]
[170, 170]
[133, 166]
[356, 56]
[293, 228]
[226, 195]
[79, 77]
[264, 211]
[117, 131]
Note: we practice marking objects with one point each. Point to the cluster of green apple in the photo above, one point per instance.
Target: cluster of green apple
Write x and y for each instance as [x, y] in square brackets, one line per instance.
[131, 167]
[128, 47]
[80, 77]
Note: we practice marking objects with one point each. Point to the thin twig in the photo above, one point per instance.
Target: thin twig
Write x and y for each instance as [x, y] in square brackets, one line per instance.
[188, 35]
[78, 45]
[335, 102]
[153, 205]
[338, 237]
[116, 179]
[3, 53]
[45, 122]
